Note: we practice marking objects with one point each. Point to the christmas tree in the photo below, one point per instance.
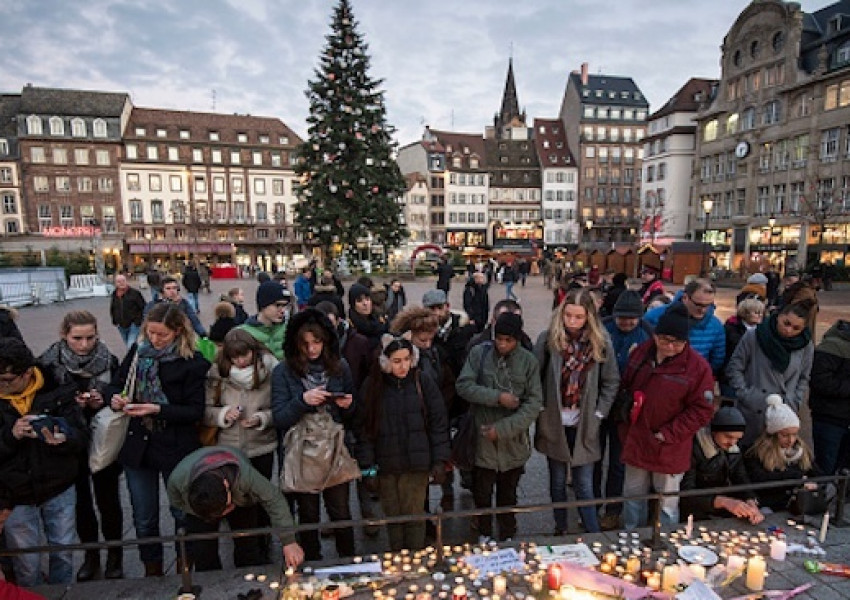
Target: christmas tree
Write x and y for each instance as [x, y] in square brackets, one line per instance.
[349, 182]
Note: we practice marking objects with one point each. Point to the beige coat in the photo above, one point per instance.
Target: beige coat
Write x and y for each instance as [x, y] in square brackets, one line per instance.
[253, 441]
[601, 384]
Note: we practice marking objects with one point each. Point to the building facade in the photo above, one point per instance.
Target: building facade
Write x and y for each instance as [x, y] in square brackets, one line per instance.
[12, 219]
[668, 158]
[605, 120]
[773, 149]
[559, 181]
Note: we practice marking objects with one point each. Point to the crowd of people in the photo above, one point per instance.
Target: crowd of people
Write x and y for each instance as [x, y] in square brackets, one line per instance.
[628, 390]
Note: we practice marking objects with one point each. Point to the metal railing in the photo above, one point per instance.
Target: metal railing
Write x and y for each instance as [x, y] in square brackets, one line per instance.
[439, 518]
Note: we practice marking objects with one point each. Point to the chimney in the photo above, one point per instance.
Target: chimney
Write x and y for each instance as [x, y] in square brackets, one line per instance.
[584, 73]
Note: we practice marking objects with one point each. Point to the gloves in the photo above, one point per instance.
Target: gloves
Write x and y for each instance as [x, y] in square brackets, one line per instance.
[438, 473]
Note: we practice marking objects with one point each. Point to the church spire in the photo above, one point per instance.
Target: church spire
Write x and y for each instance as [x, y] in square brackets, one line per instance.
[509, 112]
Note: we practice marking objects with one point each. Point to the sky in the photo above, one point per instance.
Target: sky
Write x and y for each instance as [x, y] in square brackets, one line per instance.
[443, 62]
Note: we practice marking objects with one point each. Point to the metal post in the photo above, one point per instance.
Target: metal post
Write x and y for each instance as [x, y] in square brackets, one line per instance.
[841, 500]
[186, 586]
[438, 534]
[654, 542]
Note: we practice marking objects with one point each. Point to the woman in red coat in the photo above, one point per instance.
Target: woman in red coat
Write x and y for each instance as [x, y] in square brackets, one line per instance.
[678, 400]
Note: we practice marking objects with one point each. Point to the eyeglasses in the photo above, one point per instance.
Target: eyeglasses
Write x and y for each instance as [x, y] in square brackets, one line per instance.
[666, 340]
[700, 305]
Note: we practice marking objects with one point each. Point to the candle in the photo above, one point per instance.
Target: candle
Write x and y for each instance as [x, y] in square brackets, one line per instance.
[500, 585]
[555, 576]
[567, 592]
[689, 528]
[670, 578]
[698, 572]
[736, 562]
[778, 549]
[755, 574]
[611, 559]
[629, 577]
[824, 526]
[653, 582]
[605, 568]
[633, 565]
[459, 593]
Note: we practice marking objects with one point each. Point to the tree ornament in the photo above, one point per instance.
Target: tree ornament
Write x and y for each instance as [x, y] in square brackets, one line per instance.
[332, 188]
[349, 194]
[370, 161]
[375, 189]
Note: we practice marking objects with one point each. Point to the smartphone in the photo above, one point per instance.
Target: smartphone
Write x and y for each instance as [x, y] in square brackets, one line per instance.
[41, 422]
[336, 395]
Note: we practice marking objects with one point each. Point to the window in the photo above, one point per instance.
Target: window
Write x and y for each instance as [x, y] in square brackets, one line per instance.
[283, 140]
[5, 175]
[276, 161]
[60, 156]
[102, 157]
[131, 151]
[216, 156]
[104, 184]
[45, 216]
[755, 49]
[662, 171]
[184, 134]
[842, 55]
[37, 154]
[175, 183]
[844, 93]
[63, 184]
[99, 128]
[242, 138]
[221, 210]
[66, 215]
[81, 156]
[235, 157]
[214, 136]
[260, 186]
[57, 126]
[173, 153]
[34, 126]
[264, 138]
[200, 184]
[12, 226]
[771, 112]
[161, 133]
[84, 184]
[40, 183]
[157, 211]
[236, 185]
[590, 151]
[133, 184]
[136, 213]
[140, 131]
[829, 144]
[197, 155]
[257, 157]
[152, 152]
[87, 214]
[710, 131]
[262, 212]
[277, 187]
[10, 204]
[831, 97]
[778, 41]
[154, 182]
[4, 147]
[78, 127]
[239, 211]
[218, 185]
[800, 151]
[589, 112]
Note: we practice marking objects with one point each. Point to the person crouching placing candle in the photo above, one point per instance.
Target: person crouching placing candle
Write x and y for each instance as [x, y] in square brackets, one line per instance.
[716, 461]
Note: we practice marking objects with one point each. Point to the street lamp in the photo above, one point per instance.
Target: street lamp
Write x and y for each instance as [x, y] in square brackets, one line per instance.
[149, 237]
[707, 205]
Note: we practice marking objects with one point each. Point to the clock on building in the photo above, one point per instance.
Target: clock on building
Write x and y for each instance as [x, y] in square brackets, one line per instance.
[742, 149]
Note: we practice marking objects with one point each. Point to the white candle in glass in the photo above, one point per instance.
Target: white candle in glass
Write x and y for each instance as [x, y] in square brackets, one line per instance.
[653, 582]
[778, 549]
[736, 562]
[670, 578]
[500, 584]
[824, 527]
[755, 574]
[698, 572]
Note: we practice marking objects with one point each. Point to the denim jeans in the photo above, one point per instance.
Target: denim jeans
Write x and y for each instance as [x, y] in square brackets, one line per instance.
[582, 482]
[143, 485]
[24, 529]
[831, 445]
[129, 334]
[509, 291]
[193, 300]
[638, 482]
[609, 437]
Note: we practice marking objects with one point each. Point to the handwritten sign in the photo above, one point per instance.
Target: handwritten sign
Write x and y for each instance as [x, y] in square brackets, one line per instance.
[578, 554]
[499, 561]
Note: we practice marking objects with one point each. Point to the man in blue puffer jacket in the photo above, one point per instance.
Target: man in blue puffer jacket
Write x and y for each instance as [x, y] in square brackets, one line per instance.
[706, 333]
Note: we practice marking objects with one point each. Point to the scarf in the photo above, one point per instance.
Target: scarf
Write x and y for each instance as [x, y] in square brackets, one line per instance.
[66, 364]
[778, 349]
[148, 385]
[22, 401]
[244, 378]
[315, 376]
[577, 355]
[793, 454]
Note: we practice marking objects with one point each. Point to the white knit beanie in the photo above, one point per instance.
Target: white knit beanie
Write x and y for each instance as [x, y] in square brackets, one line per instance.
[778, 415]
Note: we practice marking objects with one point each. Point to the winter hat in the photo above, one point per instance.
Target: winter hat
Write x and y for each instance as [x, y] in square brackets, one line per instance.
[791, 270]
[509, 324]
[270, 292]
[757, 278]
[390, 343]
[778, 415]
[628, 305]
[728, 418]
[356, 292]
[434, 298]
[754, 290]
[674, 322]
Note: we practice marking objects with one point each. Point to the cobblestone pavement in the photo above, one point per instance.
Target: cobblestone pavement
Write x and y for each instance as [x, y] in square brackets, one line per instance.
[40, 327]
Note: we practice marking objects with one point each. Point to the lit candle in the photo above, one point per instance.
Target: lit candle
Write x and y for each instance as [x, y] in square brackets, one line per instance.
[567, 592]
[689, 528]
[611, 559]
[261, 578]
[777, 549]
[555, 576]
[670, 578]
[735, 562]
[629, 577]
[698, 572]
[633, 565]
[824, 527]
[653, 582]
[605, 568]
[459, 593]
[755, 574]
[500, 585]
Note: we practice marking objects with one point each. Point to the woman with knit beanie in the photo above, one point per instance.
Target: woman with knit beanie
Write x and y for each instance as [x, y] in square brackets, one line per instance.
[779, 453]
[773, 358]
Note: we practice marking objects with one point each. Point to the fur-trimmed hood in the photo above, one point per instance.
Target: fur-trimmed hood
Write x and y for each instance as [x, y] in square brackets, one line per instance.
[299, 320]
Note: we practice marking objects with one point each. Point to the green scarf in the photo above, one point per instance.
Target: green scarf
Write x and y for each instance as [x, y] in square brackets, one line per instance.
[778, 349]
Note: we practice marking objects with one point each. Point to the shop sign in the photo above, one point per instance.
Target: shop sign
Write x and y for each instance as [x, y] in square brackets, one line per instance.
[771, 247]
[85, 231]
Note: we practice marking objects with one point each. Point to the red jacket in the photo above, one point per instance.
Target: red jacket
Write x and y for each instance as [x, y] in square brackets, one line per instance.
[676, 406]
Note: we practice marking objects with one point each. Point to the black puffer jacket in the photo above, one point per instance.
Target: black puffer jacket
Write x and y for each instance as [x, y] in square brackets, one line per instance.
[711, 467]
[412, 432]
[829, 395]
[174, 433]
[31, 471]
[775, 498]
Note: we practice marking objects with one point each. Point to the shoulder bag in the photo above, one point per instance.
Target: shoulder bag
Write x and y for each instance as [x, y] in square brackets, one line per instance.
[208, 434]
[109, 427]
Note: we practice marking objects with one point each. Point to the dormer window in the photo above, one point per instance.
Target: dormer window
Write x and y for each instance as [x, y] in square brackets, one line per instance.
[78, 127]
[34, 125]
[755, 49]
[473, 163]
[842, 55]
[57, 126]
[834, 25]
[778, 41]
[99, 128]
[215, 136]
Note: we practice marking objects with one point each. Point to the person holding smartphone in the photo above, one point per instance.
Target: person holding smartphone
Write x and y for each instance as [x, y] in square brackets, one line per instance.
[42, 439]
[315, 377]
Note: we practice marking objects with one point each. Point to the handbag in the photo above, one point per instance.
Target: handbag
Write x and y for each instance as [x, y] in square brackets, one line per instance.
[207, 348]
[621, 409]
[208, 434]
[315, 456]
[804, 501]
[109, 427]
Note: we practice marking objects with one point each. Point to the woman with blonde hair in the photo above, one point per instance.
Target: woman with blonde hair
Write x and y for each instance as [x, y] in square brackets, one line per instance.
[779, 453]
[580, 380]
[239, 405]
[166, 377]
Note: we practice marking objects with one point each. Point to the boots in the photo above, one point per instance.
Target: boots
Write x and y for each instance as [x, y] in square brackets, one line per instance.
[153, 569]
[90, 567]
[114, 564]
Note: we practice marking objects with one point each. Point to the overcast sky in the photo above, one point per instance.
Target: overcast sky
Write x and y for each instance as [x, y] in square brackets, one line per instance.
[443, 61]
